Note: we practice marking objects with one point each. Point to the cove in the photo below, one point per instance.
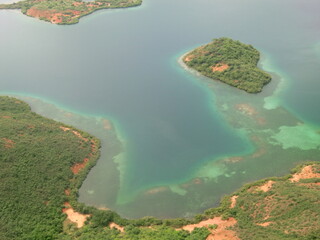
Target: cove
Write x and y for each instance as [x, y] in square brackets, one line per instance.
[178, 142]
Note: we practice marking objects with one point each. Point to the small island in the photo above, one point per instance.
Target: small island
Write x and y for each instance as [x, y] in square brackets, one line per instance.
[66, 11]
[231, 62]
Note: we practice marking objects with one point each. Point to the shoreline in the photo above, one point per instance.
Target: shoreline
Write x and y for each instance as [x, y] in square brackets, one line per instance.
[230, 62]
[67, 16]
[180, 61]
[185, 67]
[102, 128]
[78, 212]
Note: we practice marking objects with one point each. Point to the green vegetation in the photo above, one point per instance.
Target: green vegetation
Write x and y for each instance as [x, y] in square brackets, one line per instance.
[289, 210]
[66, 11]
[231, 62]
[136, 233]
[35, 157]
[292, 210]
[38, 156]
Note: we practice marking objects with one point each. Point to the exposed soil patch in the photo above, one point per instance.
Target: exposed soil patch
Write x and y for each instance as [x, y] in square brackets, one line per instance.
[189, 58]
[67, 192]
[76, 168]
[76, 4]
[80, 136]
[116, 226]
[6, 117]
[305, 173]
[266, 187]
[75, 217]
[265, 224]
[94, 147]
[8, 143]
[233, 201]
[220, 233]
[75, 133]
[34, 12]
[220, 67]
[64, 128]
[52, 15]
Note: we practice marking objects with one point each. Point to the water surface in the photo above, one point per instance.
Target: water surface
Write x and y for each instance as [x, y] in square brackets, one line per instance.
[179, 141]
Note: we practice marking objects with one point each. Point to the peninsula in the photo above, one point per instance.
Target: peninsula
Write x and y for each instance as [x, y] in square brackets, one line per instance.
[231, 62]
[66, 11]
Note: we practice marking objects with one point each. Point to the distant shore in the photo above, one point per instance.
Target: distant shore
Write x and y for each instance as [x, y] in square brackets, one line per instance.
[67, 12]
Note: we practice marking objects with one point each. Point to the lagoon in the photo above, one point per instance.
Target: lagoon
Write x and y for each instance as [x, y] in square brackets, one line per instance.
[179, 142]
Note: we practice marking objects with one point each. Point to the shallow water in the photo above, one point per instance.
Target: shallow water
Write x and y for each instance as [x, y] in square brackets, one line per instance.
[7, 1]
[179, 142]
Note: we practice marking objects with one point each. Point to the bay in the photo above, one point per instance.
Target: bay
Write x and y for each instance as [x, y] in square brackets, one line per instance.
[179, 142]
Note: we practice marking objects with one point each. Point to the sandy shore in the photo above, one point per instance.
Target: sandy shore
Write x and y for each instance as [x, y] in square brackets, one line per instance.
[184, 66]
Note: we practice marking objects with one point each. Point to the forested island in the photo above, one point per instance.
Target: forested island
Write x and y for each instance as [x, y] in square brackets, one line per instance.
[66, 11]
[43, 164]
[231, 62]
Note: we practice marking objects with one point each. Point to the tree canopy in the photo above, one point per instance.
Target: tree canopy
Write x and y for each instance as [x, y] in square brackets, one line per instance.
[231, 62]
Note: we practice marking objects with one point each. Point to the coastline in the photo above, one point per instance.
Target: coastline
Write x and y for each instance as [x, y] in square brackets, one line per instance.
[68, 15]
[261, 129]
[224, 86]
[230, 62]
[185, 67]
[228, 211]
[102, 128]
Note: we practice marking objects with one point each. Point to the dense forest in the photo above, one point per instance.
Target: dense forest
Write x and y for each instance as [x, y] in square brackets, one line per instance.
[36, 156]
[231, 62]
[66, 11]
[43, 164]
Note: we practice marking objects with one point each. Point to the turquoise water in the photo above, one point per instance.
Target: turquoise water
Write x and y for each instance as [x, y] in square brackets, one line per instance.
[175, 136]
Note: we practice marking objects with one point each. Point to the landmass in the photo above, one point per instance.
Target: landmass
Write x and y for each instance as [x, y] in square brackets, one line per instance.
[231, 62]
[43, 164]
[66, 11]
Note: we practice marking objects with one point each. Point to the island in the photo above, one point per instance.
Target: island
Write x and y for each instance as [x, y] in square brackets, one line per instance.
[231, 62]
[44, 162]
[66, 11]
